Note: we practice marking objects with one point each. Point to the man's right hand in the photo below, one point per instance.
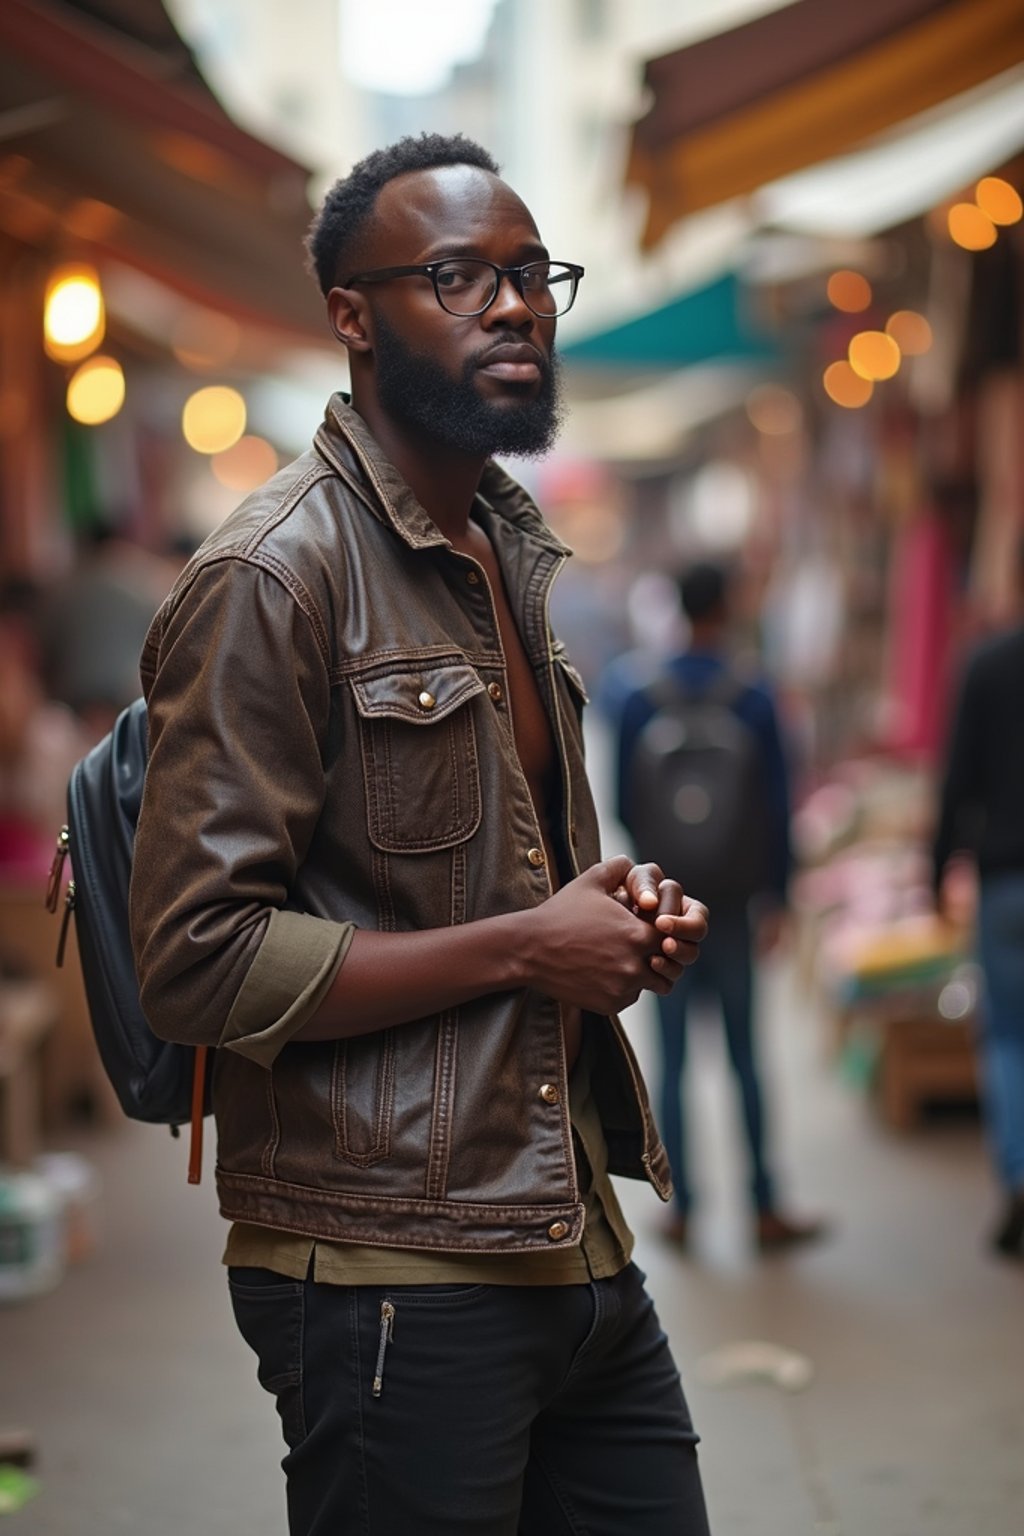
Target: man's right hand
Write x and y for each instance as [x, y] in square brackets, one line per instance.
[596, 944]
[589, 949]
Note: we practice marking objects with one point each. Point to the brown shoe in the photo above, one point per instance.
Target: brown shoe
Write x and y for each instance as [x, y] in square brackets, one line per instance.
[775, 1231]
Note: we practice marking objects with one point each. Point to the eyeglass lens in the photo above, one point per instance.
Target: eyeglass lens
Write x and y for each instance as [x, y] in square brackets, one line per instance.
[466, 286]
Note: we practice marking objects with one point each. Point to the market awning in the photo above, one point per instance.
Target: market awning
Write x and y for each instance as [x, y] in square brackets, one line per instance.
[801, 85]
[111, 143]
[910, 170]
[711, 324]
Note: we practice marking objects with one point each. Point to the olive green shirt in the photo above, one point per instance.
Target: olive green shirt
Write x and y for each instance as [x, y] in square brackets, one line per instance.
[606, 1246]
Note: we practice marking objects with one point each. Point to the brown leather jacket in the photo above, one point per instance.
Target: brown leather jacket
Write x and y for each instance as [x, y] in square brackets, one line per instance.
[329, 749]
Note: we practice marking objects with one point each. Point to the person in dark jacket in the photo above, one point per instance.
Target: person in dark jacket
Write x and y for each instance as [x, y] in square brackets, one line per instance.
[981, 811]
[701, 671]
[368, 871]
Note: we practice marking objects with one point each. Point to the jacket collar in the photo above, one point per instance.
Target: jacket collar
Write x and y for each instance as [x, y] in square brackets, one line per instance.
[347, 444]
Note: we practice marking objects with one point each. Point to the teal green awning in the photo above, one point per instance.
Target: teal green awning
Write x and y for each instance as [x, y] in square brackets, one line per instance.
[710, 324]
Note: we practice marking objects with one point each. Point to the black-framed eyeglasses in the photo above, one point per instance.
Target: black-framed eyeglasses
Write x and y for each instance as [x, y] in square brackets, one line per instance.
[467, 285]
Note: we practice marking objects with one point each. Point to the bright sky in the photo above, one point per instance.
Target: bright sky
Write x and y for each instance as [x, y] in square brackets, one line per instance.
[410, 46]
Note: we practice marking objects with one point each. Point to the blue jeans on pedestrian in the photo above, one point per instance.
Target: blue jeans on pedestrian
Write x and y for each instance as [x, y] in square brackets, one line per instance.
[725, 973]
[474, 1410]
[1001, 951]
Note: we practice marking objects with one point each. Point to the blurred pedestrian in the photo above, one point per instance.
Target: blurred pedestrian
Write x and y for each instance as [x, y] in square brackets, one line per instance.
[701, 768]
[981, 812]
[368, 868]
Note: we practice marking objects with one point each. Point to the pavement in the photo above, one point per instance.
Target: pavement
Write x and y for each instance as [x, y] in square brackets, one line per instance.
[908, 1418]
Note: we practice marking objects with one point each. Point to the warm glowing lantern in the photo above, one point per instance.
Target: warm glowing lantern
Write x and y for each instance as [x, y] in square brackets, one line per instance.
[96, 391]
[874, 355]
[971, 227]
[213, 419]
[910, 331]
[1001, 202]
[849, 291]
[74, 319]
[845, 387]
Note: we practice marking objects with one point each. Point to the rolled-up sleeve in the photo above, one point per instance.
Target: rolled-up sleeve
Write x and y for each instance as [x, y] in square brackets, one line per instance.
[294, 966]
[239, 704]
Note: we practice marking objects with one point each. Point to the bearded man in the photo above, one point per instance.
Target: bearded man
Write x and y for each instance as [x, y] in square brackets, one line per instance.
[369, 873]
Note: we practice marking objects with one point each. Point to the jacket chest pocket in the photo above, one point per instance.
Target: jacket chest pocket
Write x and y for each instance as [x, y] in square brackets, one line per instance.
[420, 770]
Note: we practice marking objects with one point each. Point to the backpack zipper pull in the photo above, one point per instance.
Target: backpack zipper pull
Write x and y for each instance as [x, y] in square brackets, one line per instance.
[57, 870]
[387, 1333]
[69, 907]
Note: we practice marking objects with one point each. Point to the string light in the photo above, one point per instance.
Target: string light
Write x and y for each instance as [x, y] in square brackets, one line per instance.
[874, 355]
[246, 465]
[96, 391]
[74, 317]
[998, 200]
[773, 410]
[970, 227]
[213, 419]
[849, 291]
[845, 387]
[910, 331]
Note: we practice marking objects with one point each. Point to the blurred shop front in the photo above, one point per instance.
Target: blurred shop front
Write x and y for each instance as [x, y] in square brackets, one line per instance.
[836, 411]
[153, 308]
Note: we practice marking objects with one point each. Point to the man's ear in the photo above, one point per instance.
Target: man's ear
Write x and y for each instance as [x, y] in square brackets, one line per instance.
[349, 316]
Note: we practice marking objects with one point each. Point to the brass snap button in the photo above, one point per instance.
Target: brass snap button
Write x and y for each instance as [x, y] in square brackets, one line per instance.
[426, 700]
[473, 578]
[558, 1230]
[536, 857]
[549, 1093]
[495, 691]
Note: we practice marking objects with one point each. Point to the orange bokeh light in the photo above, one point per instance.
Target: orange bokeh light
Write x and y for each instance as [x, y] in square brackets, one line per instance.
[246, 464]
[1001, 202]
[910, 331]
[874, 355]
[970, 227]
[849, 291]
[845, 387]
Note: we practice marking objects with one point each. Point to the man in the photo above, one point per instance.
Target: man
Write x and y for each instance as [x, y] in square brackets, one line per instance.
[752, 868]
[359, 874]
[981, 810]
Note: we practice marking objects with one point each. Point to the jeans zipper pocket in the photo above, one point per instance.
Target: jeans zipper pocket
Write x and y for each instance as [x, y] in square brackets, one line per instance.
[387, 1333]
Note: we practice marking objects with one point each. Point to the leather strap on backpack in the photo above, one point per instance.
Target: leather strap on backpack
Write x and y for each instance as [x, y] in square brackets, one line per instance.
[195, 1144]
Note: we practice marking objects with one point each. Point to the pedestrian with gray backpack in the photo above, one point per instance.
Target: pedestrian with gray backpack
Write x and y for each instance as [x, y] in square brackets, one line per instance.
[702, 776]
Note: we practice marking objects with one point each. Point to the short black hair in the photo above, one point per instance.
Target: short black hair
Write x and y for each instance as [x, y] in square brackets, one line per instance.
[702, 590]
[334, 233]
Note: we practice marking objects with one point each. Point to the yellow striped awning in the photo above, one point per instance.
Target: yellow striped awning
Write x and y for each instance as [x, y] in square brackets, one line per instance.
[801, 85]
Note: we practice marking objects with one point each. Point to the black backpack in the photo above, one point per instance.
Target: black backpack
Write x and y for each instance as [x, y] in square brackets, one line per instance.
[155, 1081]
[694, 799]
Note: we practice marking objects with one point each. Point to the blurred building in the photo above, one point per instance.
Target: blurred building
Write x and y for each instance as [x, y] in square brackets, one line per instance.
[150, 249]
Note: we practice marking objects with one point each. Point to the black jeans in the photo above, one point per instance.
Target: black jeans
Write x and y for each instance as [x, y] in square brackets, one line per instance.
[474, 1410]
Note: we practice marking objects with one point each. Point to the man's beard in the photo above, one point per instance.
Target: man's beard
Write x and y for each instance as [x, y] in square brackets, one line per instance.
[416, 390]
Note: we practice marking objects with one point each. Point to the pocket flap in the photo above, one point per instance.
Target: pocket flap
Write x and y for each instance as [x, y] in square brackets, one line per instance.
[429, 694]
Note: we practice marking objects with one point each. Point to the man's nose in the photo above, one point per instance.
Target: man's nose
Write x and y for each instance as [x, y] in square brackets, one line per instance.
[508, 307]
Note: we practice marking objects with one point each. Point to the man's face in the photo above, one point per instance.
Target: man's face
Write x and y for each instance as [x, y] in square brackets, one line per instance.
[482, 384]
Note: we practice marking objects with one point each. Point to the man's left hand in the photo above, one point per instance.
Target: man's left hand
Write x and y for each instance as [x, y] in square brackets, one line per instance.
[680, 920]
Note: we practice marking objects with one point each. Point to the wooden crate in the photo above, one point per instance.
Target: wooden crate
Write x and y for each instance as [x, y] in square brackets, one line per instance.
[922, 1059]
